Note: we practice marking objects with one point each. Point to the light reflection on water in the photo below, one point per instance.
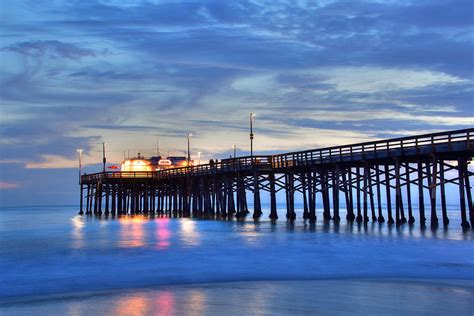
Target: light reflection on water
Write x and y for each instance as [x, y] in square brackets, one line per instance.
[135, 231]
[189, 235]
[249, 232]
[77, 232]
[132, 233]
[162, 233]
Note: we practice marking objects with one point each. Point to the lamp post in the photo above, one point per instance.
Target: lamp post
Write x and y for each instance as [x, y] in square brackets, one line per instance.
[104, 158]
[189, 150]
[199, 157]
[235, 151]
[157, 146]
[251, 136]
[80, 150]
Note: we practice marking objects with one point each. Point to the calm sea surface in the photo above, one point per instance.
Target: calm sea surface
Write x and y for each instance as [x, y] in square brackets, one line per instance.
[53, 261]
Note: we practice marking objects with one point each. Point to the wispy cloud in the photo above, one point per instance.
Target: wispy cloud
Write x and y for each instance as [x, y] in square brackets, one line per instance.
[52, 162]
[9, 185]
[50, 48]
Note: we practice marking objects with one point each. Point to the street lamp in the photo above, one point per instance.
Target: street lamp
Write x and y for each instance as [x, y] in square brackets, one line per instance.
[158, 147]
[189, 150]
[235, 151]
[251, 136]
[104, 158]
[199, 157]
[80, 150]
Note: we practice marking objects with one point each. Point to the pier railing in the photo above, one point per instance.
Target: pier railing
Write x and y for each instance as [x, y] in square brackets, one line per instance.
[397, 147]
[458, 140]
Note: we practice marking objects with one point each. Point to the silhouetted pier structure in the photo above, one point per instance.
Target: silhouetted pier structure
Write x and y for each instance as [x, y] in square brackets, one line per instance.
[358, 173]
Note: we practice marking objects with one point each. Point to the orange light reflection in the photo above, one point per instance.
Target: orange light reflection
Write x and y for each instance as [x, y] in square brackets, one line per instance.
[135, 305]
[132, 232]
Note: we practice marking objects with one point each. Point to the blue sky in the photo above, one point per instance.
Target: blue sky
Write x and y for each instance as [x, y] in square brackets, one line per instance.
[317, 73]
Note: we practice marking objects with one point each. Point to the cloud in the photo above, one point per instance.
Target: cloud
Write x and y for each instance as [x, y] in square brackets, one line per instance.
[377, 79]
[52, 162]
[50, 48]
[8, 185]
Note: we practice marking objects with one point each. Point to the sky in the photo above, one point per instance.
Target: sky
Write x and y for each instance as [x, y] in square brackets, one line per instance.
[74, 74]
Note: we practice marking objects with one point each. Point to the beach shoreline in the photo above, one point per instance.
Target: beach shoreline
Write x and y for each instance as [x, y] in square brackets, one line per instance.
[300, 297]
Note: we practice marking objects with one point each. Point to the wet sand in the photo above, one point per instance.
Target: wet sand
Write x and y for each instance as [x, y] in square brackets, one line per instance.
[317, 297]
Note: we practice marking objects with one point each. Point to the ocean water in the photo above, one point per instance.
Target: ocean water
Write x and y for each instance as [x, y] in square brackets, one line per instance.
[53, 261]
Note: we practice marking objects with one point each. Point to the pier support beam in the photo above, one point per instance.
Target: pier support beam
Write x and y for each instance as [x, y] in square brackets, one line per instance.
[81, 212]
[335, 195]
[381, 219]
[421, 200]
[398, 194]
[389, 198]
[411, 218]
[349, 197]
[273, 207]
[462, 166]
[312, 196]
[324, 179]
[290, 196]
[359, 210]
[432, 176]
[366, 189]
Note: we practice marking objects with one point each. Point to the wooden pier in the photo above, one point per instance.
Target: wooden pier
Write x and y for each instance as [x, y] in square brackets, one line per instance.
[360, 174]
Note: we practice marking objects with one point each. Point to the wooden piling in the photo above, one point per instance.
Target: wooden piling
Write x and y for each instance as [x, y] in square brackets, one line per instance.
[365, 192]
[381, 218]
[304, 189]
[371, 195]
[349, 197]
[312, 197]
[421, 201]
[273, 207]
[398, 194]
[464, 222]
[335, 195]
[388, 195]
[324, 182]
[359, 214]
[432, 178]
[411, 218]
[81, 212]
[290, 196]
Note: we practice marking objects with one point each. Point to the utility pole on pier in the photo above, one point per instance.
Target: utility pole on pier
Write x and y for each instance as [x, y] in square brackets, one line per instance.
[189, 150]
[251, 136]
[104, 158]
[157, 146]
[80, 150]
